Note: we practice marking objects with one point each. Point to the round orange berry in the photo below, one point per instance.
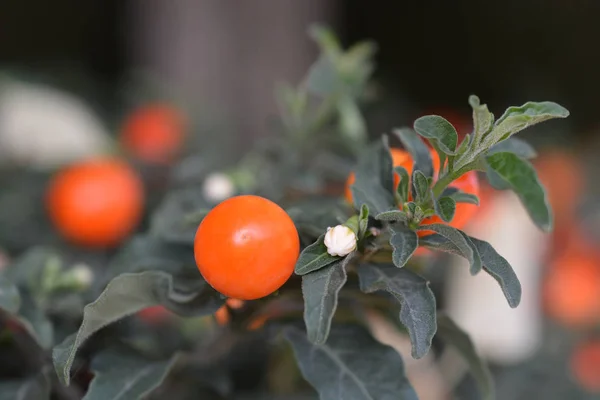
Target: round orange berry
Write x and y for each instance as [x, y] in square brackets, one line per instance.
[246, 247]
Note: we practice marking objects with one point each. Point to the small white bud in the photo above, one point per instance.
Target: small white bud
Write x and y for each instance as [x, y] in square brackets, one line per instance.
[218, 187]
[83, 275]
[340, 240]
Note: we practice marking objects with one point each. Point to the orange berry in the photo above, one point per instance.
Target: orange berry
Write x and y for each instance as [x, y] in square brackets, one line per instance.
[234, 303]
[246, 247]
[222, 315]
[96, 203]
[585, 365]
[153, 133]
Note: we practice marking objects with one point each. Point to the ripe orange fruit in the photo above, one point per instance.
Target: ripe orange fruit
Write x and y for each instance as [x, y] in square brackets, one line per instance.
[95, 203]
[154, 315]
[153, 133]
[585, 365]
[572, 287]
[246, 247]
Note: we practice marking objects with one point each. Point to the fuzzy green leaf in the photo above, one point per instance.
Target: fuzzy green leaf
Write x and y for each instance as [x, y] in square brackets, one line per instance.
[129, 293]
[420, 187]
[122, 375]
[483, 120]
[403, 184]
[493, 263]
[523, 180]
[461, 241]
[392, 216]
[445, 208]
[320, 290]
[418, 150]
[417, 312]
[374, 184]
[314, 257]
[515, 119]
[352, 365]
[514, 145]
[459, 196]
[404, 241]
[10, 299]
[453, 335]
[439, 131]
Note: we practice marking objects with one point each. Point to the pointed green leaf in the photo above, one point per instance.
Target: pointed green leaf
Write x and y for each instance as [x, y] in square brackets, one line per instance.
[122, 375]
[445, 208]
[374, 184]
[352, 365]
[320, 290]
[10, 299]
[514, 145]
[314, 257]
[392, 216]
[493, 263]
[438, 131]
[37, 387]
[129, 293]
[420, 187]
[483, 120]
[418, 150]
[453, 335]
[403, 184]
[404, 241]
[523, 180]
[417, 312]
[516, 119]
[462, 242]
[459, 196]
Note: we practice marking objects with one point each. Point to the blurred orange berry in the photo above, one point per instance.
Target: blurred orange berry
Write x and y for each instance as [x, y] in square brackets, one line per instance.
[95, 203]
[585, 365]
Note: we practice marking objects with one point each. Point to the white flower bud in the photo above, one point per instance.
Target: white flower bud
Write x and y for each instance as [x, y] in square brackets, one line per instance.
[83, 275]
[340, 240]
[218, 187]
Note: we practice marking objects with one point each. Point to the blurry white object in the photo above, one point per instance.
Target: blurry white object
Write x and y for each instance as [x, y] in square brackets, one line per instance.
[45, 127]
[218, 187]
[502, 334]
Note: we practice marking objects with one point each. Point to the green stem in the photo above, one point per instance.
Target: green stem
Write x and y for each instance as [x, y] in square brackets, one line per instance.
[447, 179]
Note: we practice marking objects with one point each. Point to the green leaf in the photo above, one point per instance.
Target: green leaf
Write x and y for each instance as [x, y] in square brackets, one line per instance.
[420, 187]
[392, 216]
[483, 120]
[418, 309]
[122, 375]
[374, 184]
[514, 145]
[314, 257]
[351, 365]
[439, 131]
[445, 208]
[461, 241]
[129, 293]
[459, 196]
[363, 220]
[35, 388]
[35, 321]
[516, 119]
[453, 335]
[523, 180]
[418, 150]
[403, 184]
[320, 290]
[10, 299]
[404, 241]
[493, 263]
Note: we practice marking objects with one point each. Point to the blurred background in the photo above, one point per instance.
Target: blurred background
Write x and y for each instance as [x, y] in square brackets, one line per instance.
[71, 73]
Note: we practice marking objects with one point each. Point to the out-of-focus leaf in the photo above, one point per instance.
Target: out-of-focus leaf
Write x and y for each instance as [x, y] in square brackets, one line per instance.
[128, 294]
[314, 257]
[404, 242]
[10, 299]
[514, 145]
[320, 290]
[417, 301]
[521, 177]
[461, 241]
[452, 334]
[35, 321]
[418, 150]
[34, 388]
[123, 375]
[493, 263]
[351, 365]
